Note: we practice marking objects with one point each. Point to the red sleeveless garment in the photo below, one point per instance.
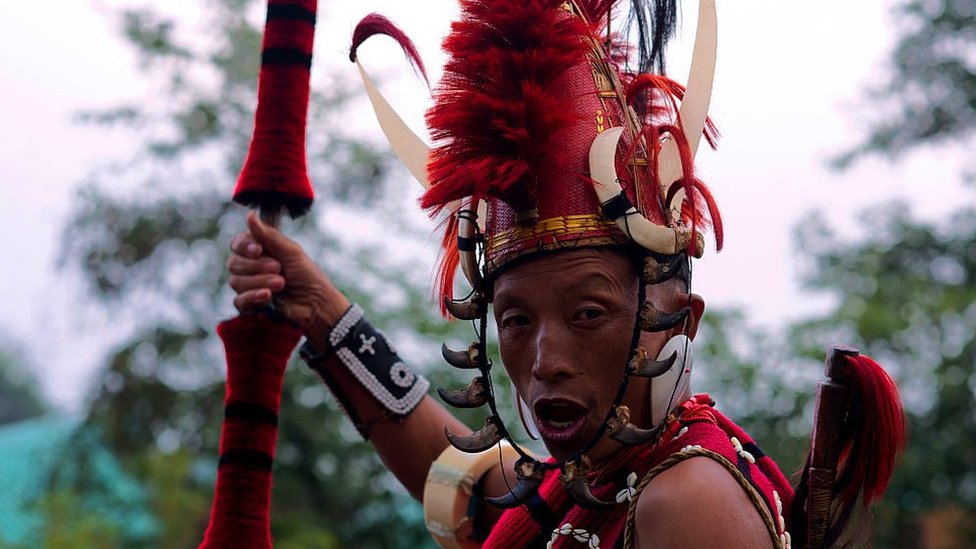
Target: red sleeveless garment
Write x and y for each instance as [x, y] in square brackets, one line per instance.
[697, 430]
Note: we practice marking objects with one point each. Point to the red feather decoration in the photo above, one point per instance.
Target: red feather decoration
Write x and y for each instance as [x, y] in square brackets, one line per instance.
[860, 424]
[878, 436]
[597, 11]
[495, 111]
[704, 203]
[672, 93]
[375, 23]
[449, 260]
[660, 97]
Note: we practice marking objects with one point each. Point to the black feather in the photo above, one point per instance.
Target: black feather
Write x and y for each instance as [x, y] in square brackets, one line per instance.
[655, 24]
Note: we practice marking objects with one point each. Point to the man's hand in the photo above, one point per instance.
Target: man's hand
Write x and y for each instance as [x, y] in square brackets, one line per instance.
[266, 264]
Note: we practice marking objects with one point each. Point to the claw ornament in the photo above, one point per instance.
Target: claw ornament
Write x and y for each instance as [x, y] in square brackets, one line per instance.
[625, 432]
[472, 396]
[657, 271]
[478, 441]
[642, 366]
[465, 360]
[530, 475]
[653, 320]
[470, 309]
[577, 485]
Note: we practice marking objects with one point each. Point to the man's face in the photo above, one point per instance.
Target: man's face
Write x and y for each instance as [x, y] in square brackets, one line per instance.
[565, 323]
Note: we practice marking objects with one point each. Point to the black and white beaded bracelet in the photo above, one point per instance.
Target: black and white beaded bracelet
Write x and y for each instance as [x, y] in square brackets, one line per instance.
[373, 361]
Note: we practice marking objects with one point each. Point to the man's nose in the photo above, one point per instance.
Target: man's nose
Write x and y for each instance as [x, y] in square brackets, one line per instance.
[553, 355]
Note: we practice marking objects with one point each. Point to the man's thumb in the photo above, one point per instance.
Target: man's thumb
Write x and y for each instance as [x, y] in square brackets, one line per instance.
[273, 242]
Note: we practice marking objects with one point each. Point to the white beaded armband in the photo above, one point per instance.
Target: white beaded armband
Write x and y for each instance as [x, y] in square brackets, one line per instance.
[373, 361]
[447, 493]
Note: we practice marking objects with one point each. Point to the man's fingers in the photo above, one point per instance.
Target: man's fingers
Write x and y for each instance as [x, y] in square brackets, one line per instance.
[239, 265]
[247, 283]
[243, 244]
[252, 299]
[274, 243]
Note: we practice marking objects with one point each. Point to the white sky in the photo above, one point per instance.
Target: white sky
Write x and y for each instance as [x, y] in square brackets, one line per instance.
[788, 76]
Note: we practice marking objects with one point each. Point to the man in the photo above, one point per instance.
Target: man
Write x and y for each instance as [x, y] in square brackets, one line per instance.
[591, 216]
[562, 319]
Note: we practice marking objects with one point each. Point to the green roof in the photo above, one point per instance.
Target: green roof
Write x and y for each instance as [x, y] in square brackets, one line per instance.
[32, 450]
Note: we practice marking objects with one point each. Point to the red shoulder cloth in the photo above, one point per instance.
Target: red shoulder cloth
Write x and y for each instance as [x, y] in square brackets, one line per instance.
[698, 429]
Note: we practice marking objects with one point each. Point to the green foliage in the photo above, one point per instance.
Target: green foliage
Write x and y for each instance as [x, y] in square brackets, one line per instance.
[757, 382]
[929, 94]
[906, 291]
[70, 524]
[19, 395]
[173, 480]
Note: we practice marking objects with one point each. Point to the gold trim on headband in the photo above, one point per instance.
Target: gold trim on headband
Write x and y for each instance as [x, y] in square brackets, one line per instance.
[570, 231]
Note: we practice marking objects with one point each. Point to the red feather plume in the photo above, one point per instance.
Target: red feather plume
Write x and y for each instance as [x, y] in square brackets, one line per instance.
[672, 92]
[495, 113]
[374, 24]
[659, 97]
[450, 258]
[870, 438]
[879, 436]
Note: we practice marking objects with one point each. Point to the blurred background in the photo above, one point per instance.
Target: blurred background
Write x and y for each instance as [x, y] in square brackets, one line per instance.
[844, 176]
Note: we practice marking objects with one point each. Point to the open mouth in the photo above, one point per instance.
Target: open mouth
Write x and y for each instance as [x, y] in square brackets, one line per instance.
[558, 419]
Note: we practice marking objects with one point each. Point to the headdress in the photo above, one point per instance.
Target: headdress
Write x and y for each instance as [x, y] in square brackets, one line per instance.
[545, 142]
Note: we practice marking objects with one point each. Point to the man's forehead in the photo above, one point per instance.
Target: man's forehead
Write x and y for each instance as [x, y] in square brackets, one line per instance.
[570, 261]
[570, 268]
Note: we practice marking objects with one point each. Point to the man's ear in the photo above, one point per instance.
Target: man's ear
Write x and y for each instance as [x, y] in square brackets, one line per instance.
[697, 310]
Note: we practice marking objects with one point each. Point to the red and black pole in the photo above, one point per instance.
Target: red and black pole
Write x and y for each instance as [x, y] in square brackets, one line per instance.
[275, 174]
[258, 344]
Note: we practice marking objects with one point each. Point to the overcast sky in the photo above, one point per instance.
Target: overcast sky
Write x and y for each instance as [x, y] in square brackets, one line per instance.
[790, 75]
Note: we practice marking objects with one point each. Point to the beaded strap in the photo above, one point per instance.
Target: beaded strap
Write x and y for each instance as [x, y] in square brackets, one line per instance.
[373, 361]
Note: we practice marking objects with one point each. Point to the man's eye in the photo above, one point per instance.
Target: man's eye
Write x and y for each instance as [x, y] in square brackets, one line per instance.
[589, 314]
[515, 321]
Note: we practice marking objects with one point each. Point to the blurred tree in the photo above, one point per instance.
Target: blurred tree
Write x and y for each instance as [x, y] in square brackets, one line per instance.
[906, 294]
[149, 238]
[907, 290]
[19, 394]
[756, 381]
[929, 94]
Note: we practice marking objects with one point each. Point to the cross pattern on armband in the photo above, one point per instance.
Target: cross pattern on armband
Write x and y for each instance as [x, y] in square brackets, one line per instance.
[371, 358]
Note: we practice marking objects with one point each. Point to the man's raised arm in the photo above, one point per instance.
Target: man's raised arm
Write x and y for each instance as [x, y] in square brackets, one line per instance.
[384, 398]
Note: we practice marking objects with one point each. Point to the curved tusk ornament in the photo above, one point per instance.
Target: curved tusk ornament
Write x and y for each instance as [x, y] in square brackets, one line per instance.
[412, 151]
[575, 483]
[530, 475]
[467, 244]
[603, 171]
[409, 148]
[694, 107]
[471, 309]
[464, 360]
[472, 396]
[478, 441]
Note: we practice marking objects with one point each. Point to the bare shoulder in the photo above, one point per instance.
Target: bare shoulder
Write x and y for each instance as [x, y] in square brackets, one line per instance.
[697, 503]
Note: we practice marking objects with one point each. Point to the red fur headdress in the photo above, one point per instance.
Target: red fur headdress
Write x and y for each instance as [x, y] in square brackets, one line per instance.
[528, 88]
